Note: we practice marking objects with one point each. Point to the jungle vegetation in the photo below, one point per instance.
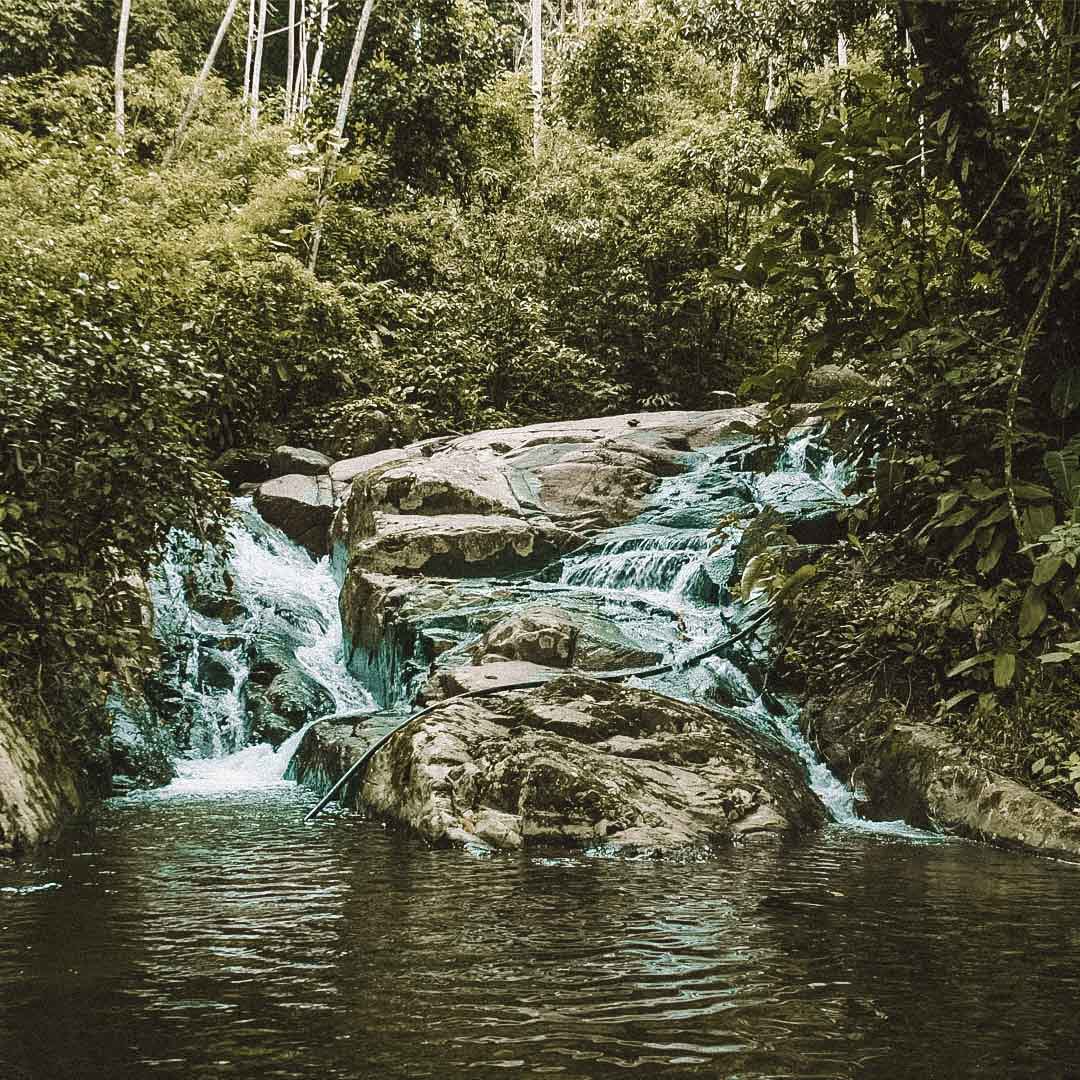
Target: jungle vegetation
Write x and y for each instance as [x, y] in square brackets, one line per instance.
[232, 224]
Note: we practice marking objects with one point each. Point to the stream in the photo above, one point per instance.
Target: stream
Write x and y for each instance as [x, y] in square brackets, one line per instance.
[202, 930]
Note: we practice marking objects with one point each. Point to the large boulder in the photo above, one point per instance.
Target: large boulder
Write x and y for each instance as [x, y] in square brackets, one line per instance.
[298, 460]
[302, 507]
[548, 635]
[576, 762]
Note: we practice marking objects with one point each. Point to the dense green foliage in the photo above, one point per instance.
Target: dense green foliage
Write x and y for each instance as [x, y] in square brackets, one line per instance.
[718, 206]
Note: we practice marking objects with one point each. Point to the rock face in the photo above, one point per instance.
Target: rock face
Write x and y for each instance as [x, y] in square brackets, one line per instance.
[295, 460]
[301, 506]
[456, 545]
[576, 762]
[545, 634]
[493, 503]
[915, 772]
[41, 787]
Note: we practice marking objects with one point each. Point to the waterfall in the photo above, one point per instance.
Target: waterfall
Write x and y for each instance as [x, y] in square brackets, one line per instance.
[231, 626]
[228, 624]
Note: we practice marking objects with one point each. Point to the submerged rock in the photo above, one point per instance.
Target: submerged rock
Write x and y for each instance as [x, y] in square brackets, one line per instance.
[576, 762]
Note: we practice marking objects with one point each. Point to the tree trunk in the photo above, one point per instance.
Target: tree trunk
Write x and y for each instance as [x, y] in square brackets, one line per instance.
[256, 70]
[290, 61]
[316, 64]
[118, 69]
[249, 50]
[842, 63]
[334, 147]
[199, 88]
[537, 74]
[992, 193]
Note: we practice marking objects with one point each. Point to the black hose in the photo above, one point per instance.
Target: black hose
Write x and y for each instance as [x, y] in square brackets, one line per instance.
[530, 684]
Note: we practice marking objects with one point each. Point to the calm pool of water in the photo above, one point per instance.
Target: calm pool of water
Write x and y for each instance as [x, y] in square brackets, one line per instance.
[214, 935]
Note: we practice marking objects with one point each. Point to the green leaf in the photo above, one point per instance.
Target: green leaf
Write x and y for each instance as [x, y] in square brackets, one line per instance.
[1046, 568]
[1037, 521]
[956, 699]
[1055, 657]
[1065, 397]
[1064, 469]
[1032, 610]
[1004, 669]
[968, 664]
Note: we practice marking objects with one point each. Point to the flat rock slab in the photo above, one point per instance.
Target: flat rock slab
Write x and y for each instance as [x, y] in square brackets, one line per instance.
[577, 763]
[457, 545]
[549, 635]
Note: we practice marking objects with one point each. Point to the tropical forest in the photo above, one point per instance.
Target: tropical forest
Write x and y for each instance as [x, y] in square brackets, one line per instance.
[539, 537]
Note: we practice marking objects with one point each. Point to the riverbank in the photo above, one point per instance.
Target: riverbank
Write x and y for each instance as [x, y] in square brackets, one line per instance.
[869, 644]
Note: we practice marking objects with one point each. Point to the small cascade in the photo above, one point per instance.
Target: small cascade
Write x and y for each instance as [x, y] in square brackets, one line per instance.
[233, 628]
[253, 767]
[252, 650]
[685, 572]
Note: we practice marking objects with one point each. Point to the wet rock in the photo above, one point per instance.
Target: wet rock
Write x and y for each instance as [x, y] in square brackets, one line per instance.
[548, 635]
[302, 507]
[298, 461]
[915, 772]
[577, 763]
[808, 508]
[281, 708]
[214, 670]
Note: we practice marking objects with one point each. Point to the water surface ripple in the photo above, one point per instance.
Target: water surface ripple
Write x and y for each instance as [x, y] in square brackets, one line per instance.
[214, 935]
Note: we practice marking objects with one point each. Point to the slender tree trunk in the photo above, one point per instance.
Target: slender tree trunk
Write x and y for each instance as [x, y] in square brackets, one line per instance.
[290, 61]
[300, 83]
[256, 69]
[249, 49]
[537, 74]
[316, 64]
[199, 88]
[842, 63]
[735, 66]
[118, 69]
[334, 147]
[770, 96]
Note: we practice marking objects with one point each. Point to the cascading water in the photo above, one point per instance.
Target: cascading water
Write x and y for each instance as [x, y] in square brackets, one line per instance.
[664, 579]
[232, 626]
[684, 571]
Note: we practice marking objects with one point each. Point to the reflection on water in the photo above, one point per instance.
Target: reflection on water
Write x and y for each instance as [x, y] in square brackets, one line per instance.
[215, 936]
